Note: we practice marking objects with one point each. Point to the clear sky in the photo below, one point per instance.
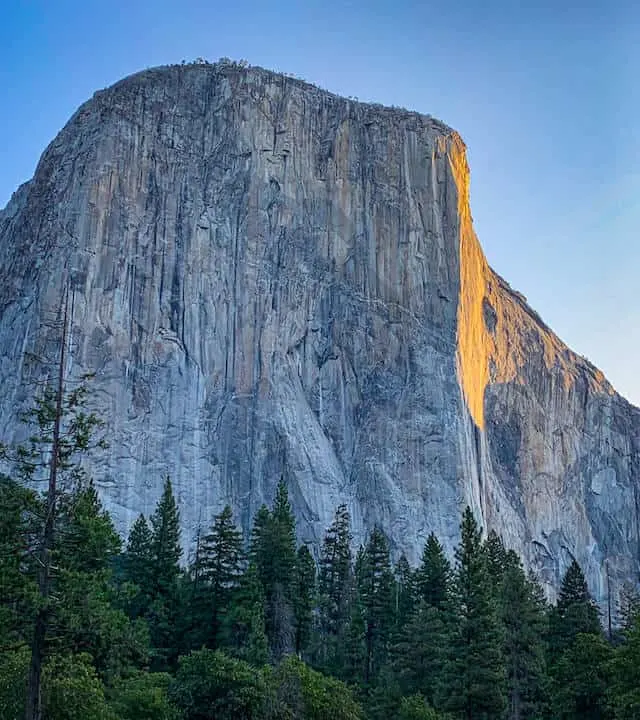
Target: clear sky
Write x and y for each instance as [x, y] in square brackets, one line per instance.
[545, 94]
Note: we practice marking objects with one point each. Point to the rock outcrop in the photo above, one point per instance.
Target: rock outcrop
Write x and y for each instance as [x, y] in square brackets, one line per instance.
[269, 279]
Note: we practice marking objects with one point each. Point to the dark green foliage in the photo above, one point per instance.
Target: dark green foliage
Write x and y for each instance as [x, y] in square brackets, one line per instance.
[212, 686]
[405, 593]
[304, 599]
[14, 664]
[473, 680]
[87, 619]
[72, 690]
[522, 611]
[415, 707]
[273, 551]
[166, 549]
[574, 616]
[375, 585]
[20, 510]
[419, 654]
[137, 567]
[624, 694]
[335, 592]
[143, 696]
[163, 609]
[575, 612]
[433, 577]
[496, 554]
[581, 679]
[244, 632]
[304, 694]
[218, 569]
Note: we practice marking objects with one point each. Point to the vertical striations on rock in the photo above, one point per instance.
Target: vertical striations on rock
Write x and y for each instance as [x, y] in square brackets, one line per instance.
[269, 279]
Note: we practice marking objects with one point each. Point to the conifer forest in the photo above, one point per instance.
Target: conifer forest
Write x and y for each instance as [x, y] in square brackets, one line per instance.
[93, 626]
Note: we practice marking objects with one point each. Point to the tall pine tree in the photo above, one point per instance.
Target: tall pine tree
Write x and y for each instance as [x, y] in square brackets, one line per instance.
[335, 591]
[375, 585]
[304, 599]
[273, 551]
[522, 611]
[473, 682]
[433, 577]
[220, 563]
[166, 552]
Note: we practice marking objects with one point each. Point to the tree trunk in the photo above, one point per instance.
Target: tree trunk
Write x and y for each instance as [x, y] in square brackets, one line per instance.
[34, 694]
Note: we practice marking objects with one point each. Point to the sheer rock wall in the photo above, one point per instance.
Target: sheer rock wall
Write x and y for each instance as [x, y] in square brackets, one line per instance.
[268, 279]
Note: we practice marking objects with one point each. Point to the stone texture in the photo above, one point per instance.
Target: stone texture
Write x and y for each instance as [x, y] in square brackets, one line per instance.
[271, 279]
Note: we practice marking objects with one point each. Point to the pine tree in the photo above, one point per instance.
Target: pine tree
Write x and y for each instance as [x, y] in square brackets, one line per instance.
[273, 551]
[165, 572]
[258, 544]
[473, 684]
[375, 583]
[405, 593]
[522, 612]
[85, 616]
[496, 557]
[335, 591]
[19, 510]
[243, 629]
[137, 567]
[219, 570]
[166, 549]
[304, 598]
[628, 606]
[575, 612]
[581, 678]
[625, 677]
[419, 653]
[433, 577]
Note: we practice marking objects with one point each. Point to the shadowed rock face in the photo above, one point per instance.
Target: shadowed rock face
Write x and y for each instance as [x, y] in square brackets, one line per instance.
[269, 279]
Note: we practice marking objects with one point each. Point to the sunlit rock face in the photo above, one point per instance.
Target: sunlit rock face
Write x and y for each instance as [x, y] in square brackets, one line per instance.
[268, 280]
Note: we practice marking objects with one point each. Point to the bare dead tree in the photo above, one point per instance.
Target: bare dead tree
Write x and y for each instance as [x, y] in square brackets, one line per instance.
[34, 694]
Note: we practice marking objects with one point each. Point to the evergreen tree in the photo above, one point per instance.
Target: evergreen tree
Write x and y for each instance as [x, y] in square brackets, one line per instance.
[166, 549]
[628, 606]
[219, 568]
[625, 674]
[419, 653]
[243, 630]
[259, 545]
[375, 584]
[574, 613]
[496, 557]
[20, 510]
[581, 679]
[335, 590]
[473, 681]
[86, 618]
[165, 572]
[352, 654]
[405, 592]
[304, 599]
[522, 612]
[273, 550]
[433, 577]
[137, 567]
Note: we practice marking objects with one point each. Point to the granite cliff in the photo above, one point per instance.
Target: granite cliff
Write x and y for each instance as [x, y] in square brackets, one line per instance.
[268, 279]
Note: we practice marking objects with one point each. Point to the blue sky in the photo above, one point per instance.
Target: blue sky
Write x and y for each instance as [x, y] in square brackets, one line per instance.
[546, 98]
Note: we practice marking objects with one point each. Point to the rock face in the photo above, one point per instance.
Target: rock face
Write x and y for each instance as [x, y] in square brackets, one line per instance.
[268, 279]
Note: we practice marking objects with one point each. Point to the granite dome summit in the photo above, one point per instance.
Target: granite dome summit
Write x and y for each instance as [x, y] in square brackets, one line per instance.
[269, 279]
